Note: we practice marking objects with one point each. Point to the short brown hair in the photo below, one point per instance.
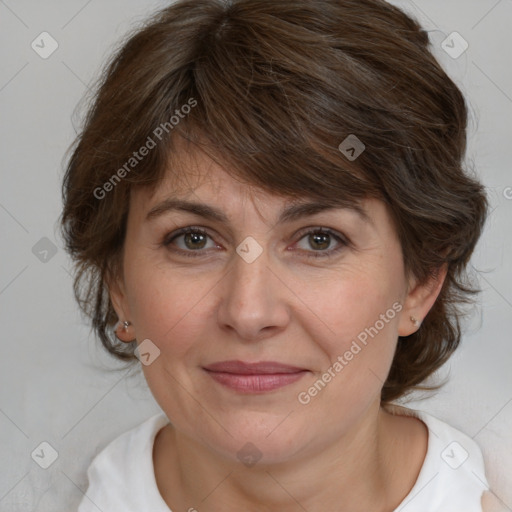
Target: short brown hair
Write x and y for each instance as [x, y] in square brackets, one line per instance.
[277, 86]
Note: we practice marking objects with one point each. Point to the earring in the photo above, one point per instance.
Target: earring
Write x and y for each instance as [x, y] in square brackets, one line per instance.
[122, 335]
[415, 321]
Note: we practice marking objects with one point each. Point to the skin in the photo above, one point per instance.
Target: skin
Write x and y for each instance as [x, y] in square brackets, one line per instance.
[341, 451]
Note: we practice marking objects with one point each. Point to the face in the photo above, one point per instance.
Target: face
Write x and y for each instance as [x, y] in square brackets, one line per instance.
[323, 294]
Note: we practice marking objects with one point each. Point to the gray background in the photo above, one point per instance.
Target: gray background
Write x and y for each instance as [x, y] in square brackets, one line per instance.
[57, 385]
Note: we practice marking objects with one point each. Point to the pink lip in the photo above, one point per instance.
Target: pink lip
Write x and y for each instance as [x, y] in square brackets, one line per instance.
[254, 377]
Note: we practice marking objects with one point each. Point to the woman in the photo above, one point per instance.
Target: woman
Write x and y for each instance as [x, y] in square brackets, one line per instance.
[268, 207]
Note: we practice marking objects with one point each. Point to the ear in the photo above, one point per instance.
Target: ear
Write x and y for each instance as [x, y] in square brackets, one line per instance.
[419, 300]
[116, 290]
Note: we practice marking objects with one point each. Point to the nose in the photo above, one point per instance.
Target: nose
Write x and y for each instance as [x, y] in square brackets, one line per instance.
[253, 302]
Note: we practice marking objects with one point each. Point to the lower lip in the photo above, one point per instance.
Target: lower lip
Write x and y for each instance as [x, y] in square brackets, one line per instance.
[260, 383]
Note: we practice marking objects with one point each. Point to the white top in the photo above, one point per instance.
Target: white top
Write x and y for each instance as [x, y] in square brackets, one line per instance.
[452, 478]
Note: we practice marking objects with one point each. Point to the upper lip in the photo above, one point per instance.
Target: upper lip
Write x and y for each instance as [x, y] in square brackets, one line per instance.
[244, 368]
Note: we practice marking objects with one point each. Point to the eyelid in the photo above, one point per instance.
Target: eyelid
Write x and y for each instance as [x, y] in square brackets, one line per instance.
[321, 229]
[170, 237]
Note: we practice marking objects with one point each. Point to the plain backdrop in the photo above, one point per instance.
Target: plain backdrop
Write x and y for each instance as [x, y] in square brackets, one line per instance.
[57, 385]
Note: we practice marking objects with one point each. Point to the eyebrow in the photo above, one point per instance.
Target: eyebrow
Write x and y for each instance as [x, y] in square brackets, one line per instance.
[288, 214]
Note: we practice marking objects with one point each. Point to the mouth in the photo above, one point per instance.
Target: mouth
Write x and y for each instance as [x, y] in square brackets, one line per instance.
[258, 377]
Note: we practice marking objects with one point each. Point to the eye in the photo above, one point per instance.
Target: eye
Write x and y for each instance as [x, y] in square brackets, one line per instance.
[193, 241]
[189, 240]
[321, 240]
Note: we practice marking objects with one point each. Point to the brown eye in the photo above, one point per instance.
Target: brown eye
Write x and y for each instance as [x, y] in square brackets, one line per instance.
[194, 240]
[188, 241]
[320, 242]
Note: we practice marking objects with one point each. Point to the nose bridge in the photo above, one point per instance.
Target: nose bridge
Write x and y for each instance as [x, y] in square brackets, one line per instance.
[251, 301]
[250, 277]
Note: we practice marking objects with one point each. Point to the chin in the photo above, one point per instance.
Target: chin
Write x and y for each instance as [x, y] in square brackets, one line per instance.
[258, 439]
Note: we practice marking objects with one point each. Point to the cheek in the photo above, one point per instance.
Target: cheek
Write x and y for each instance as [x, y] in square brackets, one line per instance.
[360, 312]
[173, 309]
[354, 302]
[170, 309]
[360, 351]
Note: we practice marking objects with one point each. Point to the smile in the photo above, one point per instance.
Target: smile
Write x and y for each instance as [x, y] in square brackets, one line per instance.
[254, 377]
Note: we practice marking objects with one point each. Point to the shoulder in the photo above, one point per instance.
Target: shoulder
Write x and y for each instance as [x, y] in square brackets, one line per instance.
[453, 473]
[123, 470]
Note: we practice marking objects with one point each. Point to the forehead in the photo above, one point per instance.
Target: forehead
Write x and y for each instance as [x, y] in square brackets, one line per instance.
[197, 177]
[195, 182]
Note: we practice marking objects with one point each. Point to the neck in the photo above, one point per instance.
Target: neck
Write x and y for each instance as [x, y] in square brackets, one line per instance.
[353, 473]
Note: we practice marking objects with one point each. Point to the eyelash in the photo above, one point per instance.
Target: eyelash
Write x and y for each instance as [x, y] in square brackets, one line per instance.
[169, 238]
